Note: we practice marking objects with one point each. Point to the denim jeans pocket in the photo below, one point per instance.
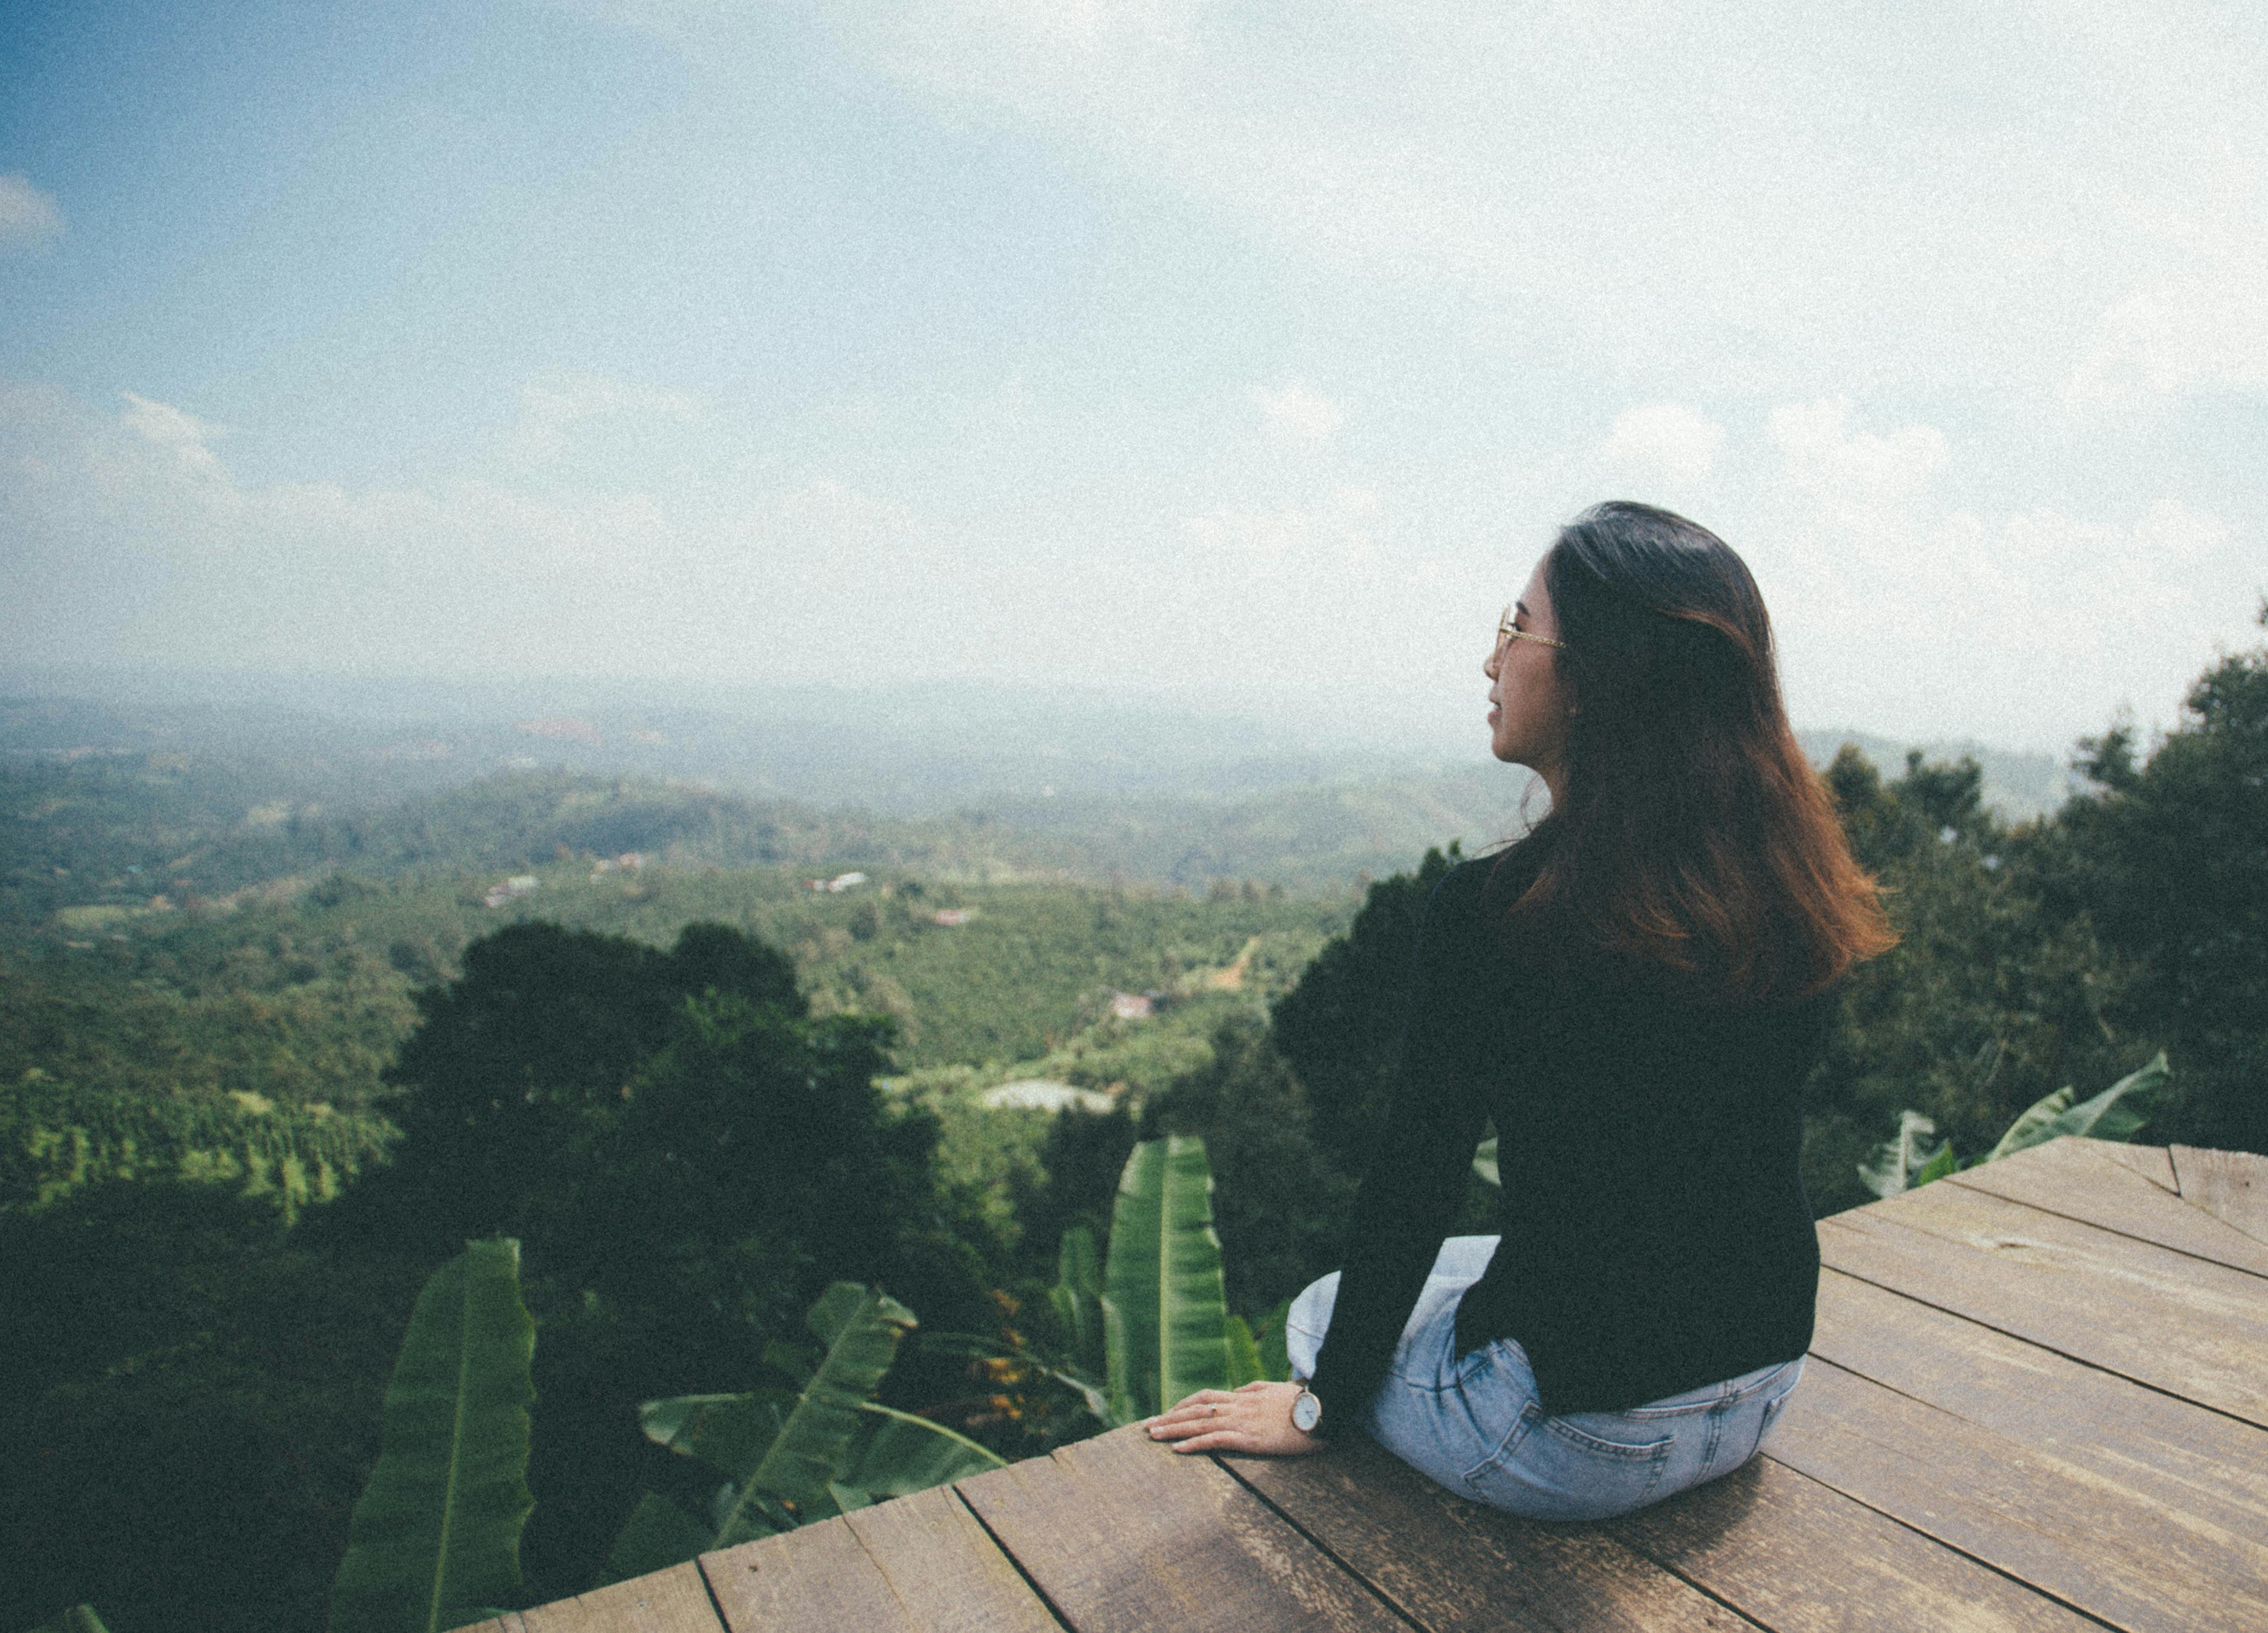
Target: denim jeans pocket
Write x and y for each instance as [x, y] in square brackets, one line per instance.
[1550, 1469]
[1773, 1407]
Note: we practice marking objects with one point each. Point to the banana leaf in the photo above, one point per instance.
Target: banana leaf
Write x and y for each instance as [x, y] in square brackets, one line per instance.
[1165, 1310]
[727, 1431]
[77, 1619]
[1275, 1343]
[1244, 1363]
[1096, 1399]
[436, 1534]
[660, 1534]
[861, 1331]
[781, 1455]
[1938, 1166]
[904, 1453]
[2117, 1113]
[1077, 1299]
[1897, 1161]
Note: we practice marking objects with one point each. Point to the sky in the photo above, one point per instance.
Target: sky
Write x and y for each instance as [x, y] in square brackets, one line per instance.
[1244, 353]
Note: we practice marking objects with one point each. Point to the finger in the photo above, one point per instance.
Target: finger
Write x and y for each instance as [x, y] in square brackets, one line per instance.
[1182, 1428]
[1198, 1406]
[1203, 1396]
[1181, 1416]
[1207, 1418]
[1257, 1383]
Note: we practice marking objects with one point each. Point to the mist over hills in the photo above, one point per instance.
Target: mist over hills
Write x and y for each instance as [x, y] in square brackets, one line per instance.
[260, 776]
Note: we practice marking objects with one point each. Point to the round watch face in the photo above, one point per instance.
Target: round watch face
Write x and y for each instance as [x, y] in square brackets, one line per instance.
[1307, 1412]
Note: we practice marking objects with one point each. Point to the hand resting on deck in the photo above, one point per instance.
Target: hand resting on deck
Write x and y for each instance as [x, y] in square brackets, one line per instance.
[1256, 1418]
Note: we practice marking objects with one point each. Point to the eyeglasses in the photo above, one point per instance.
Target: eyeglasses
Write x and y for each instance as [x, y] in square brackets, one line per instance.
[1506, 634]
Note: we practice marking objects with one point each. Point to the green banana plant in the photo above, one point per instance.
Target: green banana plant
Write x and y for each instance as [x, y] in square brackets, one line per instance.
[1077, 1297]
[2117, 1113]
[1165, 1309]
[435, 1538]
[789, 1458]
[1900, 1164]
[77, 1619]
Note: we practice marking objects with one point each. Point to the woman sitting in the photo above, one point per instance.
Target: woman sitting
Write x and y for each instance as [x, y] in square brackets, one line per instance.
[1634, 994]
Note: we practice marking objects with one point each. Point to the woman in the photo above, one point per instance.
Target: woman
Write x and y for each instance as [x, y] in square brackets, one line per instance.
[1634, 994]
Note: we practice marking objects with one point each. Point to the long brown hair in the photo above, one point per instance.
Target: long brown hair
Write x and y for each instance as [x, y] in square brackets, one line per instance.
[1692, 835]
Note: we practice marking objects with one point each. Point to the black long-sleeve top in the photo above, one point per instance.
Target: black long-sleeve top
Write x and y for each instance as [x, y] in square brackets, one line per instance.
[1655, 1233]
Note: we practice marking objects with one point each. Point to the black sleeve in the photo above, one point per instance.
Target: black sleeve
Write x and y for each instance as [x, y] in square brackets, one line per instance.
[1417, 1175]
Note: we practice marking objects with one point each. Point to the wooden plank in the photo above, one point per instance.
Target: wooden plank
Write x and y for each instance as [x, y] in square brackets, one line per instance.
[918, 1564]
[2197, 1329]
[1450, 1564]
[2182, 1457]
[2093, 1542]
[2231, 1186]
[2065, 1177]
[1124, 1536]
[2152, 1162]
[668, 1601]
[1799, 1558]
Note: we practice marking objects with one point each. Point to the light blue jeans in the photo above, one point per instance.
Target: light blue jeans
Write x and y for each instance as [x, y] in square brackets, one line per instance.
[1473, 1423]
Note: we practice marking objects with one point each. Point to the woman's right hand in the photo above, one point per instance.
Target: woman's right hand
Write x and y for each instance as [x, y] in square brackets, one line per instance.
[1256, 1418]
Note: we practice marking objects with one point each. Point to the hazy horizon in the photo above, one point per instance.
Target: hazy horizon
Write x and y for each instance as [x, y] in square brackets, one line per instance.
[1168, 349]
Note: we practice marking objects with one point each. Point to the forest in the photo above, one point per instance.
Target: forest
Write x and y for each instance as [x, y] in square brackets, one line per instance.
[263, 1071]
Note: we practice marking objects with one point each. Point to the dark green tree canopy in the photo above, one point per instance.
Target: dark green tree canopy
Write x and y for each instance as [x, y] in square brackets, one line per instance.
[1340, 1028]
[2170, 858]
[544, 1025]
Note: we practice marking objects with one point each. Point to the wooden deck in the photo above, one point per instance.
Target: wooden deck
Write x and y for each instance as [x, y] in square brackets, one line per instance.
[2038, 1400]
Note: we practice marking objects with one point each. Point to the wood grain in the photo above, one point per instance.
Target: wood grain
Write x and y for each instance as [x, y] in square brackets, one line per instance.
[1798, 1557]
[668, 1601]
[2178, 1455]
[2195, 1328]
[2152, 1162]
[1450, 1564]
[1124, 1536]
[918, 1564]
[2090, 1539]
[2231, 1186]
[2042, 1384]
[2065, 1177]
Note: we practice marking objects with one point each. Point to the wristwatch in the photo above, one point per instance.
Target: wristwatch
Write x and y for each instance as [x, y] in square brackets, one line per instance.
[1306, 1409]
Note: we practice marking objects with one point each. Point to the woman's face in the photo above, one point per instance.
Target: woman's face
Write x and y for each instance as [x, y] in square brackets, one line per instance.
[1527, 716]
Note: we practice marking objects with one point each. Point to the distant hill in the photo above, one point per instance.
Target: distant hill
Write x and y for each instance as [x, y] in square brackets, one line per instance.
[2019, 786]
[114, 799]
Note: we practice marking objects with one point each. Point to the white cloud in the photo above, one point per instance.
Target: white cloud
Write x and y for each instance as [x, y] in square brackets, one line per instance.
[1342, 528]
[28, 217]
[1664, 440]
[128, 540]
[1644, 184]
[1824, 456]
[182, 435]
[2029, 627]
[552, 406]
[2206, 331]
[1297, 414]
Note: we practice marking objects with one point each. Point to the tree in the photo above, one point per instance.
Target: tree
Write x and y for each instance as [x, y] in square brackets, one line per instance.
[545, 1025]
[688, 1158]
[744, 1167]
[1080, 1160]
[2170, 859]
[1989, 1001]
[1340, 1028]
